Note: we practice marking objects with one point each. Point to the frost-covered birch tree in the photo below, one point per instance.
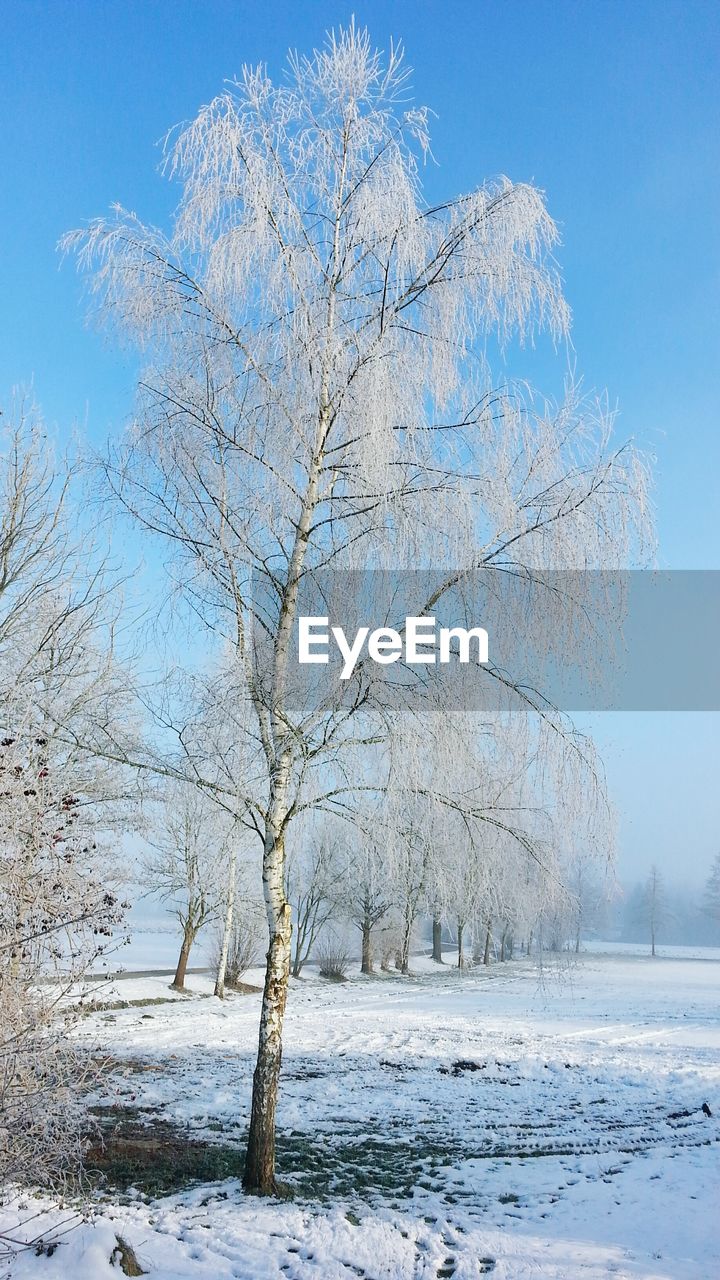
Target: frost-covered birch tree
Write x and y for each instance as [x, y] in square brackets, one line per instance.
[317, 394]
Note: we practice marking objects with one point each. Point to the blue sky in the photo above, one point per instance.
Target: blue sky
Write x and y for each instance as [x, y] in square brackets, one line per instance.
[612, 108]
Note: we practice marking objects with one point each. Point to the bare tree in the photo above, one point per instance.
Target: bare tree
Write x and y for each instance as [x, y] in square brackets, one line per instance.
[240, 941]
[411, 857]
[317, 395]
[368, 898]
[186, 865]
[584, 880]
[314, 879]
[654, 905]
[238, 949]
[711, 896]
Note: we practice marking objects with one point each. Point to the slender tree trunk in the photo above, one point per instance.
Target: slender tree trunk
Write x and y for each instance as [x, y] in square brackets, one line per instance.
[178, 981]
[366, 964]
[461, 953]
[502, 943]
[297, 963]
[529, 942]
[227, 927]
[437, 940]
[259, 1175]
[652, 940]
[405, 950]
[488, 940]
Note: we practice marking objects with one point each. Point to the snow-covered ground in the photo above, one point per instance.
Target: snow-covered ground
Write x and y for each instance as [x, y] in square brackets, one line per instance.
[495, 1122]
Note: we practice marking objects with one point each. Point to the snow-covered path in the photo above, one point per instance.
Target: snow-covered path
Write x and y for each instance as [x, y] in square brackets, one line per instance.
[491, 1122]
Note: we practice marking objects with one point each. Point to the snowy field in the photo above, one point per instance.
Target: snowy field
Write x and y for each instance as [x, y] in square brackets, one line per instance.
[497, 1122]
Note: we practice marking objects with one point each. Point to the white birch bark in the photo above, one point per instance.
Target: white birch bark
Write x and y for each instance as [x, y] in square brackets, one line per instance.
[227, 923]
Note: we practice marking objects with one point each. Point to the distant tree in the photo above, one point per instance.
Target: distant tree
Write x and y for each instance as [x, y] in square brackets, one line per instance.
[366, 895]
[654, 905]
[186, 866]
[586, 885]
[711, 896]
[313, 884]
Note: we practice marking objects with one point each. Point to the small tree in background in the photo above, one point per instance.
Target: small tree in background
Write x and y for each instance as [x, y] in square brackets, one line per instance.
[244, 944]
[315, 869]
[185, 866]
[654, 905]
[711, 895]
[585, 884]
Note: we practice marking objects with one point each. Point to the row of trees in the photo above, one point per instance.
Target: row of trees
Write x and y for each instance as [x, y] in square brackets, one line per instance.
[371, 893]
[317, 399]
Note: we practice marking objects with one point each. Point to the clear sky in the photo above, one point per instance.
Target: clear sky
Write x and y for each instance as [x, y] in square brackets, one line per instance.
[613, 108]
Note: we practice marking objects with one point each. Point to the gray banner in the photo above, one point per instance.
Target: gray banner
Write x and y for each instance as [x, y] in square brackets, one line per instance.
[581, 641]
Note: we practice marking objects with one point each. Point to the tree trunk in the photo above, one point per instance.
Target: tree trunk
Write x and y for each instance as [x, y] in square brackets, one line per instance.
[366, 964]
[461, 953]
[227, 927]
[405, 949]
[259, 1174]
[488, 940]
[502, 943]
[178, 981]
[437, 940]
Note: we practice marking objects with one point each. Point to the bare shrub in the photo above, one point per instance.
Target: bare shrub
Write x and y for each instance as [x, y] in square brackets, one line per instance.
[243, 950]
[334, 961]
[388, 940]
[60, 901]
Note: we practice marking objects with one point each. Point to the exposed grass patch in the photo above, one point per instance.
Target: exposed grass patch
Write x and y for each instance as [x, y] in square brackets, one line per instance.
[154, 1156]
[110, 1006]
[141, 1150]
